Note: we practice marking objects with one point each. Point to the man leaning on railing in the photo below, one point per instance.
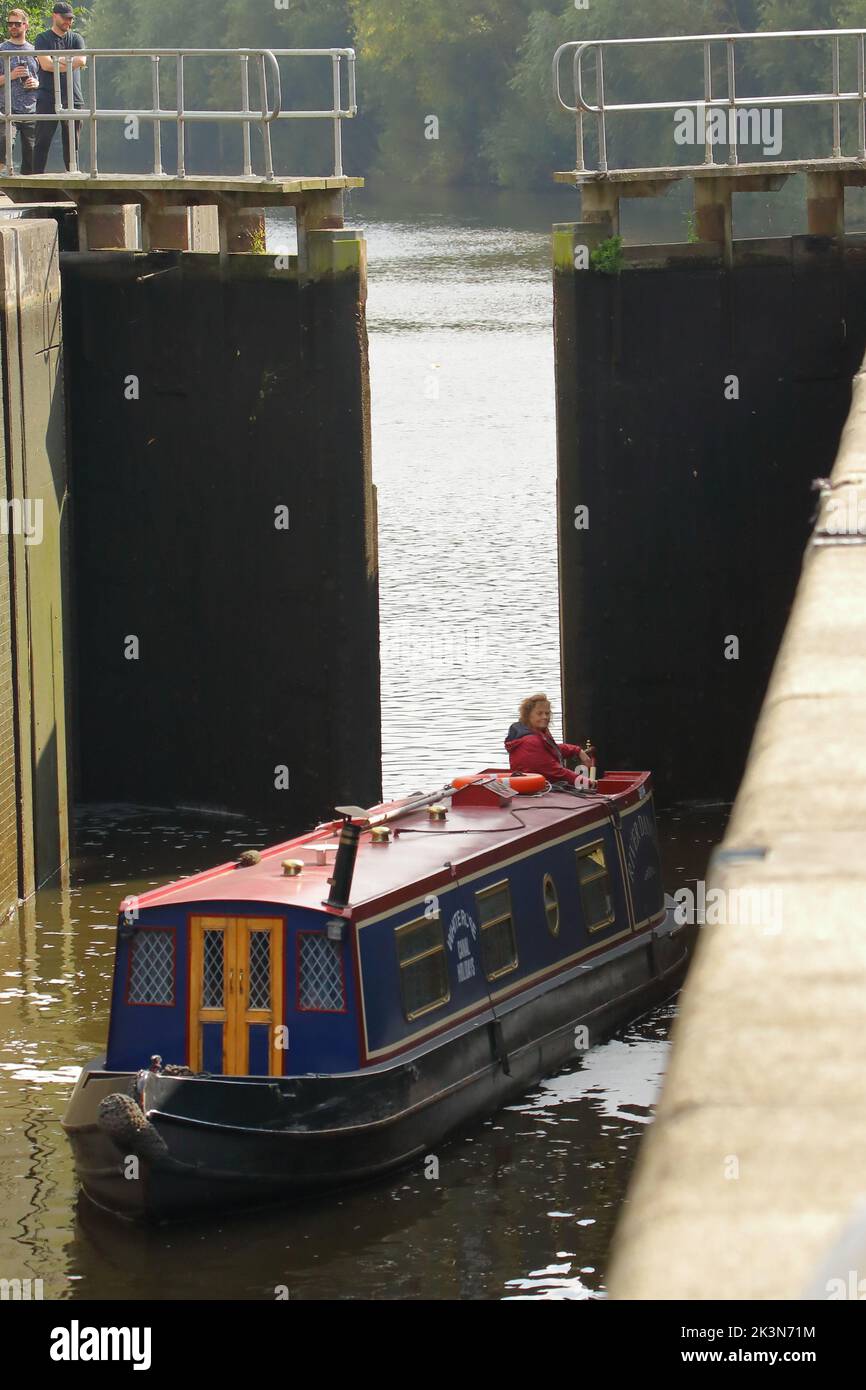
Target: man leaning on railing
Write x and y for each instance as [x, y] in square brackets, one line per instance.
[59, 36]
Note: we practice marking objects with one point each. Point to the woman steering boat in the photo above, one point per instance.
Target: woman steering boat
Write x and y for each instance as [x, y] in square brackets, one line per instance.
[532, 748]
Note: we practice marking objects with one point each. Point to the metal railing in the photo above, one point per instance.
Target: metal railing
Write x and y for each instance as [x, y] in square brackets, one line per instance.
[268, 110]
[731, 101]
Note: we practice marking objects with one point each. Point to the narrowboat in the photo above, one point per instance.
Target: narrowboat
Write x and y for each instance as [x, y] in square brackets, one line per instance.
[333, 1007]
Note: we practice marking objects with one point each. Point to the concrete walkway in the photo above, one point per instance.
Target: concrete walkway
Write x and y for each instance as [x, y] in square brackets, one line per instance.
[756, 1165]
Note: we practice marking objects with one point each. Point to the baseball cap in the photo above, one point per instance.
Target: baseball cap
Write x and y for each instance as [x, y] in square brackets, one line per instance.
[63, 8]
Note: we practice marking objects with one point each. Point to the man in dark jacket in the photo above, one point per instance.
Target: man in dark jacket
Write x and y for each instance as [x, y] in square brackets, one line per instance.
[59, 36]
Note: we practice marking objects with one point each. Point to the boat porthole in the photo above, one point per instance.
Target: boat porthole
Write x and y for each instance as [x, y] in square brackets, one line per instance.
[551, 905]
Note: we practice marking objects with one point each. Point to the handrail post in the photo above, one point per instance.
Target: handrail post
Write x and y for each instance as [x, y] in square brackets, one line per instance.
[602, 127]
[353, 91]
[94, 169]
[58, 96]
[557, 73]
[733, 157]
[338, 133]
[580, 153]
[266, 127]
[7, 111]
[708, 97]
[70, 120]
[181, 134]
[245, 106]
[577, 82]
[157, 124]
[837, 117]
[861, 105]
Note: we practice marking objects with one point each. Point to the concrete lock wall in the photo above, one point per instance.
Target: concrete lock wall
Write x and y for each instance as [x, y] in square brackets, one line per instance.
[34, 835]
[750, 1183]
[221, 640]
[9, 826]
[695, 404]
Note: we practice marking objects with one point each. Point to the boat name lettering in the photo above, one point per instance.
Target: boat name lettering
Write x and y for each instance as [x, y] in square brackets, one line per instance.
[642, 827]
[459, 931]
[460, 922]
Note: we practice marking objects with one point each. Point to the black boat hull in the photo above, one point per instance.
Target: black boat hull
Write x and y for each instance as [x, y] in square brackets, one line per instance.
[217, 1142]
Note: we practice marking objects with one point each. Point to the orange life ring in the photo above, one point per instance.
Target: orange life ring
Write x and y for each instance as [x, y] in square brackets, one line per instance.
[524, 783]
[528, 783]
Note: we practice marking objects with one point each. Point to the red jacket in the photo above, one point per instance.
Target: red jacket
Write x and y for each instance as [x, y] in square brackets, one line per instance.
[529, 750]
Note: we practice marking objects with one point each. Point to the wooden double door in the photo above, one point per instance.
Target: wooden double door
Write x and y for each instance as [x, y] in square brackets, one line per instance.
[236, 996]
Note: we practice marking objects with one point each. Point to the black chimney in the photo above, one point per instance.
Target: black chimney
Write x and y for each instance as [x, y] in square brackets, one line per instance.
[344, 865]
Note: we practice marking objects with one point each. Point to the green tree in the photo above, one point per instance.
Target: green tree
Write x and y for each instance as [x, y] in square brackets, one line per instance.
[437, 78]
[804, 66]
[534, 135]
[460, 91]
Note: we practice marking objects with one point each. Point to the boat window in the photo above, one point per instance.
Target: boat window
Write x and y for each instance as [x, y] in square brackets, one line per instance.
[423, 966]
[321, 988]
[551, 905]
[259, 992]
[498, 947]
[151, 967]
[213, 970]
[595, 889]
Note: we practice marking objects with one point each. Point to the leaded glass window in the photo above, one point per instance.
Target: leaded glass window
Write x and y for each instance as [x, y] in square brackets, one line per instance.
[320, 973]
[260, 970]
[213, 970]
[151, 971]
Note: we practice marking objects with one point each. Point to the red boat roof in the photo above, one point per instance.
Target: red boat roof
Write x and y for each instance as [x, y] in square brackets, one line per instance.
[423, 854]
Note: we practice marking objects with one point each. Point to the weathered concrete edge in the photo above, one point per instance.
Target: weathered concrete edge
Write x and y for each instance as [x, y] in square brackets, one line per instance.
[332, 254]
[755, 1165]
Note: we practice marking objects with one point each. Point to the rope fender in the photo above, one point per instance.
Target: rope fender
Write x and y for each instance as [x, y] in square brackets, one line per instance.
[128, 1128]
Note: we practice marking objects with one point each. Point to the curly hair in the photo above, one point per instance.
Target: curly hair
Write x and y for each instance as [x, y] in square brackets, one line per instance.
[528, 705]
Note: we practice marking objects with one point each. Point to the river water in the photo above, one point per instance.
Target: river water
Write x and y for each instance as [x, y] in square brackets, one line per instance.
[524, 1204]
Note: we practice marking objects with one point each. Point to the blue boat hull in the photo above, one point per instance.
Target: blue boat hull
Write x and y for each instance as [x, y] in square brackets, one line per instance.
[220, 1142]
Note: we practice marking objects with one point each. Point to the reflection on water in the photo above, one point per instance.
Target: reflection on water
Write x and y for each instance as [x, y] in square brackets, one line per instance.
[619, 1081]
[525, 1203]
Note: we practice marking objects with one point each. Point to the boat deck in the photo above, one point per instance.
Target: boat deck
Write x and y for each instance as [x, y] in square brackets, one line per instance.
[422, 854]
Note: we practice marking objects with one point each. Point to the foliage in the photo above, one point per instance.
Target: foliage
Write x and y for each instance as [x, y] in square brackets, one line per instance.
[215, 84]
[482, 68]
[608, 257]
[257, 244]
[40, 16]
[453, 61]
